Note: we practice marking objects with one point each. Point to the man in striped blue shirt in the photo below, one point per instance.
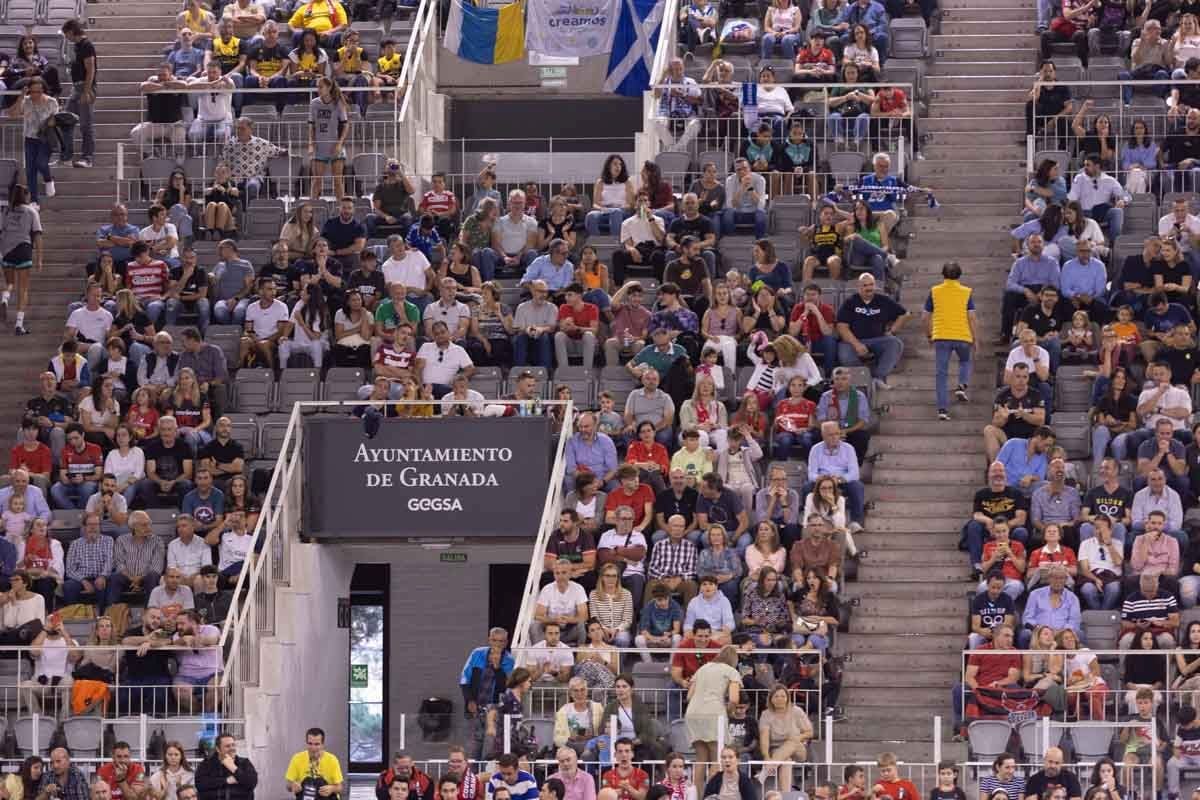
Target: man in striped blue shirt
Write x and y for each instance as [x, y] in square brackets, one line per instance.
[520, 784]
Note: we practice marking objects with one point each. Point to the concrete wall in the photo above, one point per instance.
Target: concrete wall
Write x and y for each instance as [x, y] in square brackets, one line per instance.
[455, 74]
[438, 612]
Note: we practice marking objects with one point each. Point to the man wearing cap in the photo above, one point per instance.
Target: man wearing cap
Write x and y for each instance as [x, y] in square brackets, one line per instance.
[672, 314]
[535, 321]
[391, 202]
[630, 324]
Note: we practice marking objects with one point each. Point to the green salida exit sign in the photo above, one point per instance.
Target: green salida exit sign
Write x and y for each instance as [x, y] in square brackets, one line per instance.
[454, 558]
[358, 676]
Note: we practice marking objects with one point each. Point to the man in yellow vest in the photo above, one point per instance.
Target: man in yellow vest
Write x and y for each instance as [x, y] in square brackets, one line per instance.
[950, 325]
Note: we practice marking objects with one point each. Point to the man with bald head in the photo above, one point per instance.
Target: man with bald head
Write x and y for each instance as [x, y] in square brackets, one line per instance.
[62, 780]
[1151, 608]
[673, 561]
[589, 450]
[35, 500]
[1051, 776]
[867, 324]
[579, 784]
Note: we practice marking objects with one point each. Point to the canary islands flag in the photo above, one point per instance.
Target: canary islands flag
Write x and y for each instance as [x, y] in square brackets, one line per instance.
[486, 35]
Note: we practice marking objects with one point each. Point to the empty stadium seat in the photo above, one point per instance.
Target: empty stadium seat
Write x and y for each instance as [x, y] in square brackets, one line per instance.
[24, 729]
[273, 434]
[343, 383]
[245, 432]
[297, 385]
[84, 736]
[618, 382]
[988, 737]
[253, 389]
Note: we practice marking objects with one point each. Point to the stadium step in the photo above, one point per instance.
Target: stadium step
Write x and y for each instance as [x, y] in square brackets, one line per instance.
[925, 606]
[908, 751]
[923, 678]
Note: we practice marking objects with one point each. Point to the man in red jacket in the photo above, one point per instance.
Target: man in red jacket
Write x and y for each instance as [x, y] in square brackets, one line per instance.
[420, 785]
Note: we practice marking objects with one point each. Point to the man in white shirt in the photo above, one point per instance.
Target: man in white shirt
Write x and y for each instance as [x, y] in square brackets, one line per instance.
[449, 310]
[409, 266]
[625, 545]
[90, 324]
[563, 601]
[266, 322]
[514, 235]
[188, 553]
[1029, 353]
[215, 109]
[437, 362]
[1184, 228]
[549, 659]
[161, 236]
[1100, 196]
[643, 242]
[1160, 401]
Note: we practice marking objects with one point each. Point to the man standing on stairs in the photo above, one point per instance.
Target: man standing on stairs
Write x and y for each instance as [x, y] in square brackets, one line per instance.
[83, 94]
[950, 325]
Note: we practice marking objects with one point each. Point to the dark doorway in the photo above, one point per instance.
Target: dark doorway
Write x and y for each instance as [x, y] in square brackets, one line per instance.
[506, 583]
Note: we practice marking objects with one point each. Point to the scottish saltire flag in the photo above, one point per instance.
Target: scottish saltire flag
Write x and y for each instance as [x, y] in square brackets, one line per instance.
[486, 35]
[633, 47]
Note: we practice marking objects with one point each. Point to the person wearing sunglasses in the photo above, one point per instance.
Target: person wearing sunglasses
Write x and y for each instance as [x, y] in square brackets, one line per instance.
[1100, 196]
[439, 361]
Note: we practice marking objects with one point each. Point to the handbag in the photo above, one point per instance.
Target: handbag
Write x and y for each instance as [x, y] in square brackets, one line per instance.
[1063, 27]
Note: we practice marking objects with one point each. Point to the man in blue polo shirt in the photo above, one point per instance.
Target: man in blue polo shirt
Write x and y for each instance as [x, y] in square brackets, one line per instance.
[867, 323]
[1161, 317]
[117, 236]
[1025, 460]
[346, 235]
[1025, 279]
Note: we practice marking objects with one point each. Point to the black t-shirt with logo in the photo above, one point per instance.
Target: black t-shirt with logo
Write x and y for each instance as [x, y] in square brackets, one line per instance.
[700, 227]
[1004, 503]
[992, 612]
[1114, 504]
[571, 551]
[1043, 323]
[870, 320]
[1016, 428]
[168, 461]
[269, 60]
[1041, 784]
[197, 279]
[280, 276]
[689, 276]
[370, 285]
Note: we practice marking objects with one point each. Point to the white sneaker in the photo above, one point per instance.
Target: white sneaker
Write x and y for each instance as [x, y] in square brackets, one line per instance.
[893, 260]
[50, 189]
[35, 206]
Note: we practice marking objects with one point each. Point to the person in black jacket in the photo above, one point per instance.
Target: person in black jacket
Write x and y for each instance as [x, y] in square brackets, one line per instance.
[224, 775]
[730, 770]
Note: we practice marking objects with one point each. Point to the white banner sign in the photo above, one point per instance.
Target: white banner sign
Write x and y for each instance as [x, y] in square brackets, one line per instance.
[576, 28]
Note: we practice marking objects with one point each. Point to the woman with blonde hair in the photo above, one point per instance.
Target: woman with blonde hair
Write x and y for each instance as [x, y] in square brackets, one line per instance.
[97, 668]
[190, 407]
[611, 605]
[705, 413]
[722, 324]
[784, 731]
[794, 362]
[715, 688]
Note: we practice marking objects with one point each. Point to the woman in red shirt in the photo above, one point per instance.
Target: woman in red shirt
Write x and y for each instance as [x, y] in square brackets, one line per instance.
[649, 457]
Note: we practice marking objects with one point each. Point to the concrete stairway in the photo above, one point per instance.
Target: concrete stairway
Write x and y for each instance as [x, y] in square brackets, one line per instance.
[909, 628]
[129, 38]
